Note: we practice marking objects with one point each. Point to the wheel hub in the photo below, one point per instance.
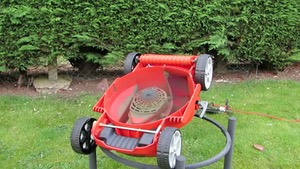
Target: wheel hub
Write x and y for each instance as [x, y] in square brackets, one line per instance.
[208, 72]
[175, 148]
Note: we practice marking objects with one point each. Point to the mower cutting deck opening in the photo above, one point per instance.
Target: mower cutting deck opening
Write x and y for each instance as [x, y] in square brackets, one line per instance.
[142, 112]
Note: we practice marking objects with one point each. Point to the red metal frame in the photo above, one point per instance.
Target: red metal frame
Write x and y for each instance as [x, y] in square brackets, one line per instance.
[174, 71]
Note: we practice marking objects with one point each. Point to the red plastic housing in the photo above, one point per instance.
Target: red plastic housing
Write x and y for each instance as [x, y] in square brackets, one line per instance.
[171, 73]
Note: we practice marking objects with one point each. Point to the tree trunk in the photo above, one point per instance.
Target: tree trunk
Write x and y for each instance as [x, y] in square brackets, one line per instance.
[52, 69]
[22, 76]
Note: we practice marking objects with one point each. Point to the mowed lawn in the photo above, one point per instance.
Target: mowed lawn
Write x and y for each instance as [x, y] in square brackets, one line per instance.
[35, 131]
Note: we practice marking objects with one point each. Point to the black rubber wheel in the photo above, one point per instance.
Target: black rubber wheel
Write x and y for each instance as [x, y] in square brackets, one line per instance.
[130, 62]
[169, 147]
[204, 71]
[81, 138]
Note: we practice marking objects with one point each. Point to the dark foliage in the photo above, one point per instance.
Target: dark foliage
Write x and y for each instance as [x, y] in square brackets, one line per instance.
[240, 30]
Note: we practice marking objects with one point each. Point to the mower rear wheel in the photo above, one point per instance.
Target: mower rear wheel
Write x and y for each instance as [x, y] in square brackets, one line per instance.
[204, 71]
[169, 147]
[130, 62]
[81, 139]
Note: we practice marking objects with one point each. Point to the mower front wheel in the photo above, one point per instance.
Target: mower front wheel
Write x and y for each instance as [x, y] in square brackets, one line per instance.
[204, 71]
[81, 139]
[169, 147]
[131, 61]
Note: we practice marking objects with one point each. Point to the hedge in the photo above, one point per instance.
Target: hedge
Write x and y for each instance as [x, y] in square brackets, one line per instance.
[244, 30]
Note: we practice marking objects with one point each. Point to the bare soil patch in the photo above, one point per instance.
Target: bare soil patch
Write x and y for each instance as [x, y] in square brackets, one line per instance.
[291, 72]
[99, 82]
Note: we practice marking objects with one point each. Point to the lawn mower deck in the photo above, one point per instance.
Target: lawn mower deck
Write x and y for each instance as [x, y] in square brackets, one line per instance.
[142, 112]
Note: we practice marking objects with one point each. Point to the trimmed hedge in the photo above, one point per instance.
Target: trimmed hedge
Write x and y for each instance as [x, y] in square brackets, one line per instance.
[245, 30]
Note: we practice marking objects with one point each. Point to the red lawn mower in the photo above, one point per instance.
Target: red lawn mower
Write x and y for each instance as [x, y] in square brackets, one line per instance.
[141, 113]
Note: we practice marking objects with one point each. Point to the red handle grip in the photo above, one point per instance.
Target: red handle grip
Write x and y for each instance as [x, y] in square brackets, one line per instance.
[167, 59]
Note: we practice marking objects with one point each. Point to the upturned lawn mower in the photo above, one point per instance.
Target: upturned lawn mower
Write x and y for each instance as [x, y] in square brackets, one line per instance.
[141, 113]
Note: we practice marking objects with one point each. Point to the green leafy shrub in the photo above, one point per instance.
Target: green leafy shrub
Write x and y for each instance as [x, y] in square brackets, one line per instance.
[244, 30]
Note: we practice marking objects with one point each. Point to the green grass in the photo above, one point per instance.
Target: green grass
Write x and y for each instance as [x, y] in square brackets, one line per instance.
[35, 131]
